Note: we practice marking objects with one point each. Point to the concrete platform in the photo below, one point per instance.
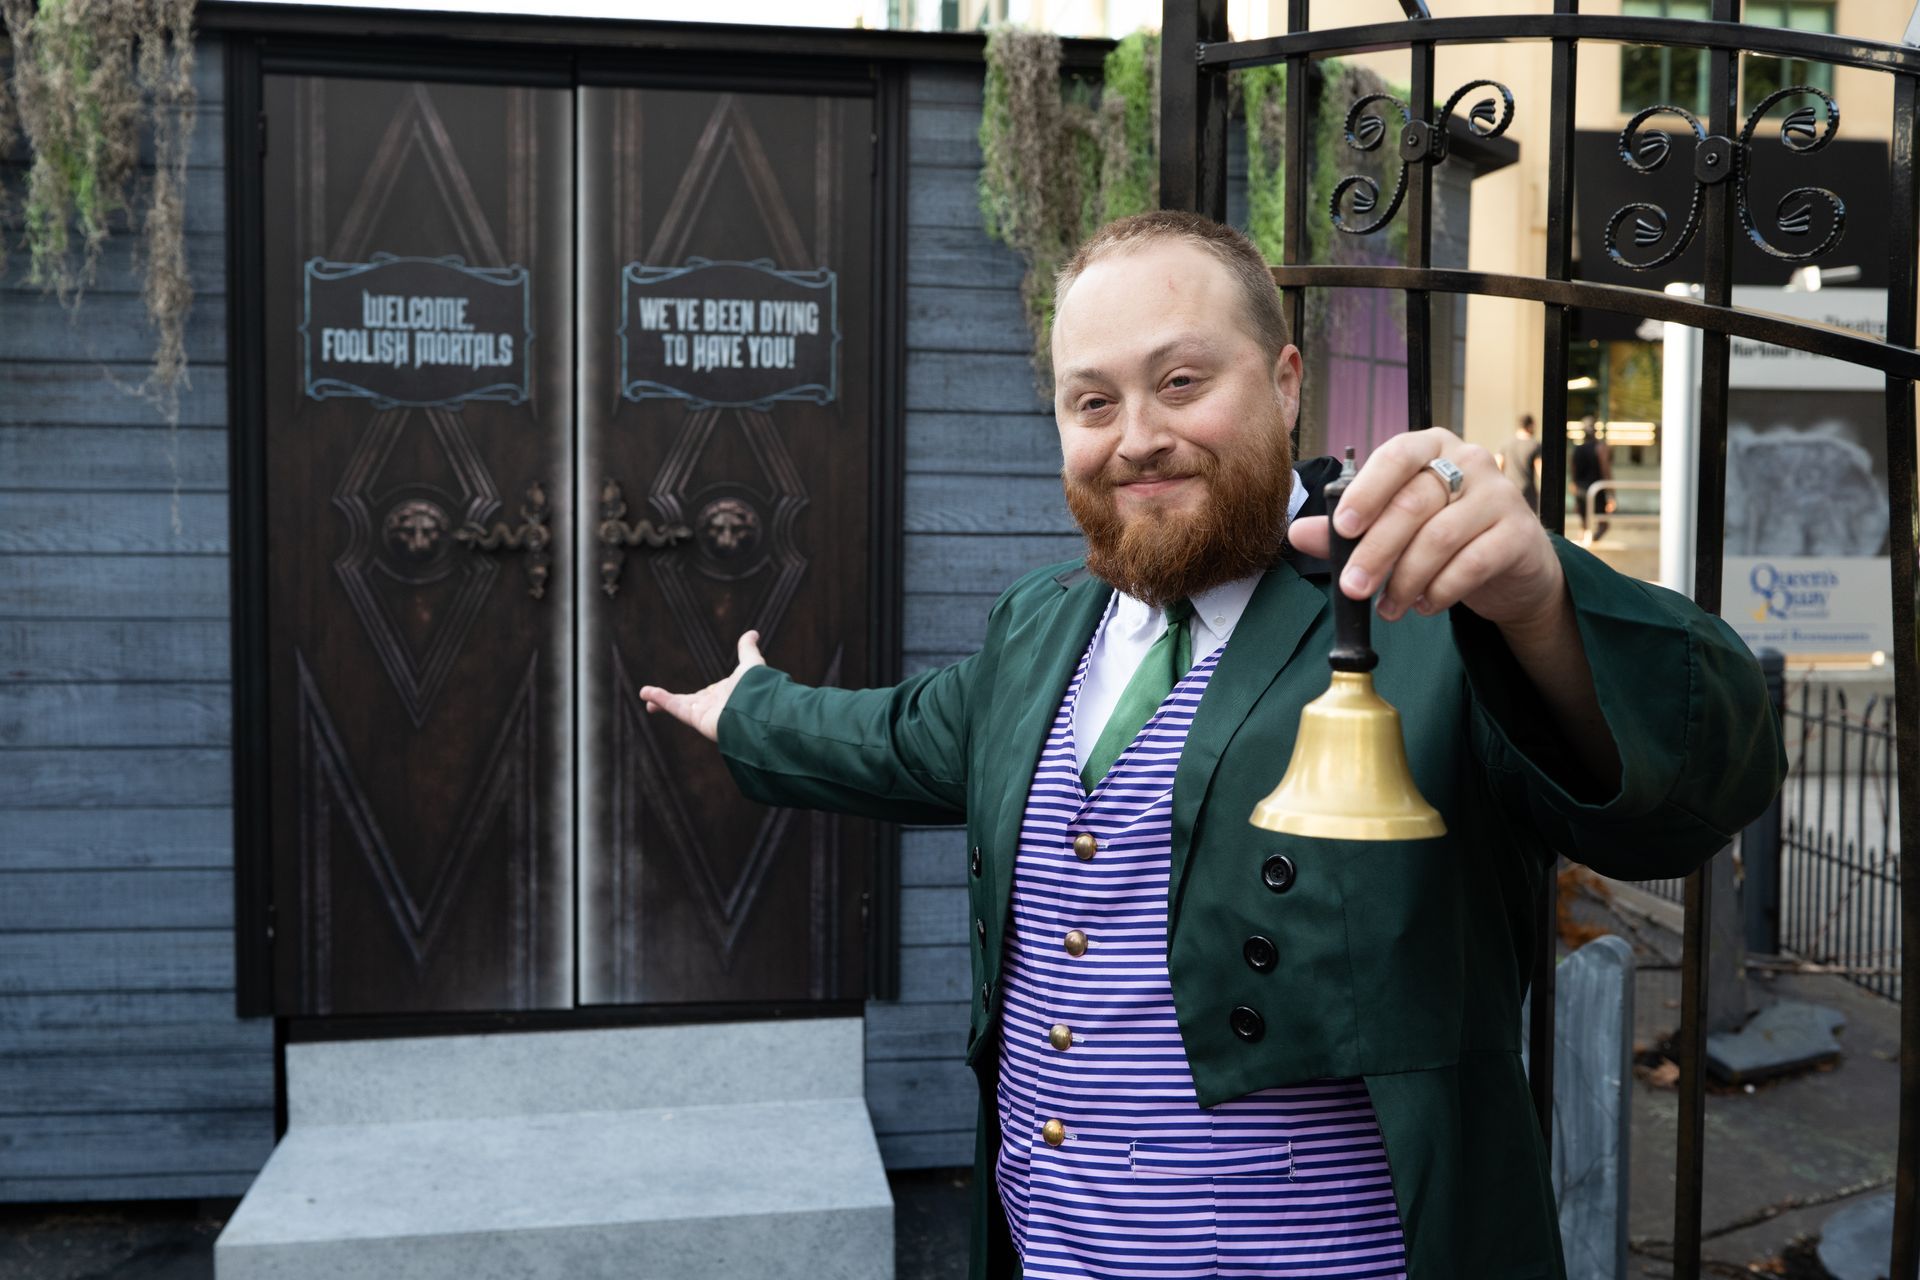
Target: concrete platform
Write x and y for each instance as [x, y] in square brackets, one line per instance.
[683, 1152]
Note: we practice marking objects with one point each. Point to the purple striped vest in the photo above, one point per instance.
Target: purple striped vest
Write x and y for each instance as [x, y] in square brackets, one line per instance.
[1286, 1182]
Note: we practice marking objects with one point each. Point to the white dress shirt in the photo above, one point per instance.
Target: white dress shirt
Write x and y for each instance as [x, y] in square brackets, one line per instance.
[1130, 628]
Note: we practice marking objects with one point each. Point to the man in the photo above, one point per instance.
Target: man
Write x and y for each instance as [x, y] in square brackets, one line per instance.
[1521, 461]
[1204, 1048]
[1592, 462]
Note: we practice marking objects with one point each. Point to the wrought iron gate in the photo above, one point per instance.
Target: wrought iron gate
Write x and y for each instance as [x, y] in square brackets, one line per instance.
[1197, 53]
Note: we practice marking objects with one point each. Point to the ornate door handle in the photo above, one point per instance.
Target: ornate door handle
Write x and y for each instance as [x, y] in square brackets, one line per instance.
[531, 536]
[616, 535]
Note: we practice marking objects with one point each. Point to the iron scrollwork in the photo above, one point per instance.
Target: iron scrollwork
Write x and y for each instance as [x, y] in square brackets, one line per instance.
[616, 535]
[1421, 142]
[1717, 160]
[531, 536]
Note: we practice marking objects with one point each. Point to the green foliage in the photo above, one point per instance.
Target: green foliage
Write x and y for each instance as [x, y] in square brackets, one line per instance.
[1263, 91]
[1130, 129]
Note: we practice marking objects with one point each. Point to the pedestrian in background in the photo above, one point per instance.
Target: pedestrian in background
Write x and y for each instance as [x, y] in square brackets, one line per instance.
[1592, 463]
[1521, 461]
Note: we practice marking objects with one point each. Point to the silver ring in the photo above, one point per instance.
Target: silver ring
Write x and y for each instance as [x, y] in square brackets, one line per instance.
[1450, 475]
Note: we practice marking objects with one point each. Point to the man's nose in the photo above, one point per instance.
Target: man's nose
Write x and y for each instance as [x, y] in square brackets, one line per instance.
[1144, 434]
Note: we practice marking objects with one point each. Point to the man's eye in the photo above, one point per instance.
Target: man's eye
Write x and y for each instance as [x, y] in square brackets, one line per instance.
[1179, 380]
[1092, 405]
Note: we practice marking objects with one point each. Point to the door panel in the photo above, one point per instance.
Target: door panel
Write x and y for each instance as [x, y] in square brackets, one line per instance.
[749, 460]
[419, 377]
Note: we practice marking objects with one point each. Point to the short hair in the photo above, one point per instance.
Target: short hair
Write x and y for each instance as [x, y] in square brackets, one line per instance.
[1266, 319]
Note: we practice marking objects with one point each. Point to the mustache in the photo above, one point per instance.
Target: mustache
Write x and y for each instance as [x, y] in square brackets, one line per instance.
[1123, 473]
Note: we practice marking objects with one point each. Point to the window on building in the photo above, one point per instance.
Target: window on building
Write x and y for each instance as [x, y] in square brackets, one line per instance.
[1651, 75]
[1760, 76]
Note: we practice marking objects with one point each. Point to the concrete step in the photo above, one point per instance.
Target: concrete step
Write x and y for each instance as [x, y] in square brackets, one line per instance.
[474, 1157]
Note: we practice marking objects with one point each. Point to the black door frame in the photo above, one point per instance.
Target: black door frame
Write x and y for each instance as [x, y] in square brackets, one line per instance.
[552, 54]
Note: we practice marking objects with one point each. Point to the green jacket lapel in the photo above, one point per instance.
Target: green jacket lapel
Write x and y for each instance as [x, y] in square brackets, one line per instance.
[1283, 609]
[1039, 663]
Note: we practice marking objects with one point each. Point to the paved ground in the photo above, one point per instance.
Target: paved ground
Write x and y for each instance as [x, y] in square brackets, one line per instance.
[1818, 1141]
[1822, 1139]
[173, 1240]
[162, 1240]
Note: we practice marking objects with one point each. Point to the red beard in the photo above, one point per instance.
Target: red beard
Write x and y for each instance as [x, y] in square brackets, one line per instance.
[1158, 556]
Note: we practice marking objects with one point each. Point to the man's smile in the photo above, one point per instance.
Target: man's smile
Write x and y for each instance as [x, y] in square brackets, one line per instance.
[1151, 487]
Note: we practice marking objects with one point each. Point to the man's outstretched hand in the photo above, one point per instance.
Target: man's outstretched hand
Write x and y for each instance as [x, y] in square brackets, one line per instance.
[701, 711]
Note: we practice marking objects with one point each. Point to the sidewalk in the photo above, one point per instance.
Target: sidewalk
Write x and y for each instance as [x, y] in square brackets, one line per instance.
[1821, 1140]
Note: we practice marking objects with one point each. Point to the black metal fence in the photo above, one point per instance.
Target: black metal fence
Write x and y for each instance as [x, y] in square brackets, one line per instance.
[1839, 871]
[1821, 870]
[1718, 146]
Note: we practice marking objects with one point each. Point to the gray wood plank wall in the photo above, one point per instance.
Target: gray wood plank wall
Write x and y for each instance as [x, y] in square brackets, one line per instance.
[983, 506]
[123, 1071]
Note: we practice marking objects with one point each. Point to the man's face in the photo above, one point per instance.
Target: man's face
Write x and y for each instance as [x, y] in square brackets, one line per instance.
[1173, 422]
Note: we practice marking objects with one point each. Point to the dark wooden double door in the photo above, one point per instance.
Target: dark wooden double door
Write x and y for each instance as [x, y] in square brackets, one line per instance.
[471, 457]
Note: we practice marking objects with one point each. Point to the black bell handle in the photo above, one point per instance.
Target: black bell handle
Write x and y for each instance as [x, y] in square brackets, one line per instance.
[1352, 619]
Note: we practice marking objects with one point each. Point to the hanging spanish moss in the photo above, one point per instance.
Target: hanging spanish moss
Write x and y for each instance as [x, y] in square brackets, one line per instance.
[1032, 158]
[1058, 160]
[89, 77]
[166, 78]
[9, 135]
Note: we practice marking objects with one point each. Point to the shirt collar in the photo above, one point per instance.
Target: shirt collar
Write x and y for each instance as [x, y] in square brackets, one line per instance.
[1216, 611]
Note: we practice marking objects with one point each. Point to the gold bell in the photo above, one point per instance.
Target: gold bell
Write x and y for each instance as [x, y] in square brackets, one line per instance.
[1349, 779]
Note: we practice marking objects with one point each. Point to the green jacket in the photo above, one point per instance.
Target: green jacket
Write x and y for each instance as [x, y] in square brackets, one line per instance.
[1403, 963]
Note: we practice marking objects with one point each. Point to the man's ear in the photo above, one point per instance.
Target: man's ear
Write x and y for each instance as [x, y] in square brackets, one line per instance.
[1286, 381]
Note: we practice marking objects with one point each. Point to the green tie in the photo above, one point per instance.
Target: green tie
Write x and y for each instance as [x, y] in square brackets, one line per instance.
[1159, 671]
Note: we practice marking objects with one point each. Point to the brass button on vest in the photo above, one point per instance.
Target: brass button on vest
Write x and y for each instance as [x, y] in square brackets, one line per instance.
[1085, 846]
[1075, 943]
[1054, 1132]
[1061, 1037]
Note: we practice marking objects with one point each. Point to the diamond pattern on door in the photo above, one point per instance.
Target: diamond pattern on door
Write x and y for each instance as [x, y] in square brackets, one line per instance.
[417, 142]
[648, 799]
[414, 589]
[742, 530]
[331, 792]
[729, 138]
